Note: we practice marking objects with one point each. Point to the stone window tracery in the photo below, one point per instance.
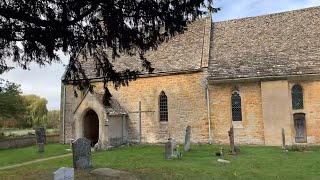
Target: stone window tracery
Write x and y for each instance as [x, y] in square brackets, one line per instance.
[163, 106]
[236, 106]
[297, 97]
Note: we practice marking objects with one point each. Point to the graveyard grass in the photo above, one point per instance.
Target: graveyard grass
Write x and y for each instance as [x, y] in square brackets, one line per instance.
[25, 154]
[148, 162]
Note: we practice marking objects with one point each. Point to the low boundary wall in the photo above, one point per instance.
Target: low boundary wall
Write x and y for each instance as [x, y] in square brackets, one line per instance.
[28, 140]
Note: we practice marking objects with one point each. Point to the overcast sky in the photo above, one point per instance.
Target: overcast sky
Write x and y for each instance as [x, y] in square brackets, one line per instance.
[45, 81]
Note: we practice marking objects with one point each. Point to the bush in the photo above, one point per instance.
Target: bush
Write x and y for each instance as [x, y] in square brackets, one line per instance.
[298, 148]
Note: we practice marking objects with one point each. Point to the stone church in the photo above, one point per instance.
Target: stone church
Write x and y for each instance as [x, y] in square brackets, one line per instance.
[257, 74]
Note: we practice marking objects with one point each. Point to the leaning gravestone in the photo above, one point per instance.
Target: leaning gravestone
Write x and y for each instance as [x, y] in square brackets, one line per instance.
[233, 149]
[283, 139]
[41, 135]
[81, 151]
[168, 150]
[187, 139]
[64, 174]
[41, 147]
[174, 144]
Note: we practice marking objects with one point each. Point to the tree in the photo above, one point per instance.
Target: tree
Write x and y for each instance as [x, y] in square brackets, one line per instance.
[96, 30]
[11, 105]
[36, 110]
[53, 119]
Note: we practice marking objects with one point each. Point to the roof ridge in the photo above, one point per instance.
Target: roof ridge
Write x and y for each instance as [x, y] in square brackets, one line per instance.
[266, 15]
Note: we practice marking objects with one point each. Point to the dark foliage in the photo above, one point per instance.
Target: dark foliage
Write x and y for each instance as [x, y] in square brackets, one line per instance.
[93, 30]
[10, 100]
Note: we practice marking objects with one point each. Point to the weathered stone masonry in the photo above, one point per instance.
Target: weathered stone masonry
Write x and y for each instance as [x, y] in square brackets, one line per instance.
[260, 57]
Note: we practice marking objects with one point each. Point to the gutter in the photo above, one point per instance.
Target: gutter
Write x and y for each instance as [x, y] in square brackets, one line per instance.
[208, 112]
[264, 78]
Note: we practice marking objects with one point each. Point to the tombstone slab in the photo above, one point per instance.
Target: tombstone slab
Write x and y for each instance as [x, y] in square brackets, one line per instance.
[233, 149]
[81, 151]
[174, 144]
[113, 173]
[64, 173]
[283, 139]
[168, 150]
[41, 135]
[223, 161]
[187, 139]
[41, 147]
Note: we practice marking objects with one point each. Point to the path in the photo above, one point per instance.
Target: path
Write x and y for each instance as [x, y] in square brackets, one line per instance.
[34, 161]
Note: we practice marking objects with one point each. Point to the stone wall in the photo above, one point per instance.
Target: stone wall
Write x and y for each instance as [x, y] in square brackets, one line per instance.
[310, 89]
[276, 111]
[186, 106]
[14, 142]
[71, 102]
[250, 130]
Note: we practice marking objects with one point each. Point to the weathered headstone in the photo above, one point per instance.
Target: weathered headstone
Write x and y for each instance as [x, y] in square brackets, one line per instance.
[187, 139]
[64, 174]
[283, 139]
[174, 144]
[41, 135]
[81, 150]
[233, 149]
[284, 148]
[168, 150]
[41, 147]
[223, 161]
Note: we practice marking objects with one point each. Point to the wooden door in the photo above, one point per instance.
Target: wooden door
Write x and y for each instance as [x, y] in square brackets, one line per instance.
[300, 127]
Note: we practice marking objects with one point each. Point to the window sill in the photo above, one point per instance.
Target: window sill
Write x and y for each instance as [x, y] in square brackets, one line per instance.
[237, 124]
[295, 111]
[163, 122]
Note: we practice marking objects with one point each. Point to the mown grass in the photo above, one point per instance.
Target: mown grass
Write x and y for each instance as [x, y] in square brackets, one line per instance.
[200, 163]
[25, 154]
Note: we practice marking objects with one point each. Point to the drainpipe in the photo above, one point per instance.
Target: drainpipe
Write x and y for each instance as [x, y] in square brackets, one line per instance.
[63, 113]
[208, 111]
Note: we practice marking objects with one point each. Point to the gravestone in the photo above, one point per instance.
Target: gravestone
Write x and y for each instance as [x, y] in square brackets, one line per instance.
[187, 139]
[41, 135]
[284, 148]
[233, 149]
[223, 161]
[283, 139]
[41, 147]
[64, 174]
[168, 150]
[81, 151]
[174, 144]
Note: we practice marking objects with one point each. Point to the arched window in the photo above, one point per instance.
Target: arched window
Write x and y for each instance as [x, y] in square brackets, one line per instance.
[236, 106]
[163, 107]
[297, 97]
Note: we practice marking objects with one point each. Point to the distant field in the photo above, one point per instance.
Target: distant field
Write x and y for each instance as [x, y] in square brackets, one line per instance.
[21, 132]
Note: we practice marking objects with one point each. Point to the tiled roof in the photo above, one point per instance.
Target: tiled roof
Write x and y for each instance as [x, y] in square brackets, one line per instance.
[114, 109]
[273, 45]
[181, 53]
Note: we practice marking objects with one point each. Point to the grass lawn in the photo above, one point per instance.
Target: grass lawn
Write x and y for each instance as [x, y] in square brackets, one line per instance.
[200, 163]
[20, 155]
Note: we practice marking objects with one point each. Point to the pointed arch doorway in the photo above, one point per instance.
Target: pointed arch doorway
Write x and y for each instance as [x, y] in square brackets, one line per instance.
[91, 126]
